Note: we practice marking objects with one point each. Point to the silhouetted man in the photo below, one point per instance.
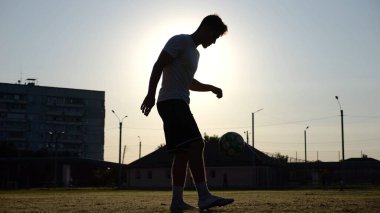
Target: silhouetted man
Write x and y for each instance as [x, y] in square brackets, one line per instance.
[178, 62]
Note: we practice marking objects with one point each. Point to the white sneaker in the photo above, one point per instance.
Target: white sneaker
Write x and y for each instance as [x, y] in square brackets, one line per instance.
[213, 201]
[180, 207]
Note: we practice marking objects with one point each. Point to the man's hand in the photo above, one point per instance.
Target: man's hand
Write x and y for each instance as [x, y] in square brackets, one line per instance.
[163, 60]
[200, 87]
[218, 92]
[147, 104]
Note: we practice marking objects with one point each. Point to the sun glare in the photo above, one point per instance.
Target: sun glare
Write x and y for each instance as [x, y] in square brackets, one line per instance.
[215, 63]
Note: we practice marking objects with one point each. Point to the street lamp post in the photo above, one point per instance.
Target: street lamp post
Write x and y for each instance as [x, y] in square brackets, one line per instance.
[253, 127]
[342, 128]
[246, 133]
[120, 131]
[56, 134]
[305, 143]
[139, 147]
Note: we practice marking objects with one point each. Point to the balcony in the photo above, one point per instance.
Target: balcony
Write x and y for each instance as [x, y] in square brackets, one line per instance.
[65, 102]
[65, 113]
[63, 119]
[4, 100]
[13, 128]
[15, 139]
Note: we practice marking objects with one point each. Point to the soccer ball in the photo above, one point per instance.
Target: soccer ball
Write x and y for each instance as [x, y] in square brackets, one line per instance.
[232, 144]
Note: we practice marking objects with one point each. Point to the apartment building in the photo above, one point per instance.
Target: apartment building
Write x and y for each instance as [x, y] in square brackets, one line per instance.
[52, 121]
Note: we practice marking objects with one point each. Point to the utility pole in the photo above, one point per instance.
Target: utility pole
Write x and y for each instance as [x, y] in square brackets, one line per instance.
[120, 166]
[342, 130]
[120, 134]
[253, 127]
[246, 132]
[139, 147]
[56, 134]
[342, 127]
[125, 146]
[305, 143]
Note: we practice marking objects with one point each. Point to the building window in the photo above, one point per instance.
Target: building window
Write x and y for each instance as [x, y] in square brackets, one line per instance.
[16, 116]
[150, 174]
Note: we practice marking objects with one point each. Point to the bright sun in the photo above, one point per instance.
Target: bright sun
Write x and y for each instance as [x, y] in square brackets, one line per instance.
[214, 62]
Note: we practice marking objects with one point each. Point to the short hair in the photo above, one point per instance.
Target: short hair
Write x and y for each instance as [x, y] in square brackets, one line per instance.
[215, 23]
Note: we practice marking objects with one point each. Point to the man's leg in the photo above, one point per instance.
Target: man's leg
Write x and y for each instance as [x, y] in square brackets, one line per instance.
[196, 161]
[197, 167]
[179, 171]
[198, 171]
[179, 168]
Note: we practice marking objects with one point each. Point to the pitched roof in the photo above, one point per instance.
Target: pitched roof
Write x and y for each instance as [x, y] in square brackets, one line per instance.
[362, 162]
[214, 157]
[157, 159]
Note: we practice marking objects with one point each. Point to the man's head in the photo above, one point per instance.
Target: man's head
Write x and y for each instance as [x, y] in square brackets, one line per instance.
[211, 28]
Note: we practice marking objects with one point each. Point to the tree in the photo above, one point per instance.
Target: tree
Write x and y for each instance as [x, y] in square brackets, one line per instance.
[211, 139]
[282, 158]
[206, 139]
[160, 146]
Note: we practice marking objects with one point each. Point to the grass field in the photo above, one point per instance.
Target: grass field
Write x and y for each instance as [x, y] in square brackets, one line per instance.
[108, 200]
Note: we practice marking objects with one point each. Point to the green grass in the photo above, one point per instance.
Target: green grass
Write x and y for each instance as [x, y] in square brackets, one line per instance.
[108, 200]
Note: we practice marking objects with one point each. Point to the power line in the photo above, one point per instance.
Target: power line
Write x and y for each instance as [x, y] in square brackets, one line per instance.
[364, 116]
[264, 125]
[299, 121]
[135, 128]
[226, 128]
[274, 124]
[372, 140]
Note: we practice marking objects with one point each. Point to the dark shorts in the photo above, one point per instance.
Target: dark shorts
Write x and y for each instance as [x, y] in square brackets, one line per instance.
[179, 125]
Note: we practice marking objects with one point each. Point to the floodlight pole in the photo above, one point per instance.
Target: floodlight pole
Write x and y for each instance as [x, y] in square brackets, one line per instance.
[253, 127]
[123, 154]
[246, 133]
[305, 143]
[342, 127]
[139, 147]
[120, 133]
[56, 134]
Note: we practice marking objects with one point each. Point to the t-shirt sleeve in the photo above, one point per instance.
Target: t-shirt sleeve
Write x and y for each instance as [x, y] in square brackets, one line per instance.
[174, 46]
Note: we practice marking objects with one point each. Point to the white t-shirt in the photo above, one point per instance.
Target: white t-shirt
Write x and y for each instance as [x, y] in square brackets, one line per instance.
[178, 76]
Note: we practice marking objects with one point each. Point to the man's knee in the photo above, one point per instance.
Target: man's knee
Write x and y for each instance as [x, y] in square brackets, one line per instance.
[181, 156]
[197, 145]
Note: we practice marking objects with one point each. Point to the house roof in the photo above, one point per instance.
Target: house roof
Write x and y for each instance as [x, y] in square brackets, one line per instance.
[214, 157]
[362, 163]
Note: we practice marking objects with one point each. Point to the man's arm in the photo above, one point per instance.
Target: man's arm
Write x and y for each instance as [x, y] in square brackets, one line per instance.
[200, 87]
[163, 60]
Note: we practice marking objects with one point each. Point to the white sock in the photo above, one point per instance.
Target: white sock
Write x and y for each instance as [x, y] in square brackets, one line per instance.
[177, 194]
[202, 190]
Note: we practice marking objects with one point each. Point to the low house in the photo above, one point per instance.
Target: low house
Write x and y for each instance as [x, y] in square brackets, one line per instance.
[361, 171]
[251, 169]
[351, 171]
[34, 172]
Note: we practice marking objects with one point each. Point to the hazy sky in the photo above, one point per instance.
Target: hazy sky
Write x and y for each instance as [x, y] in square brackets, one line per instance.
[289, 57]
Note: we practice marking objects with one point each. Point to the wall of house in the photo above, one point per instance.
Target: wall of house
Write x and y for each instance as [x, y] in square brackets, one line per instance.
[243, 177]
[225, 177]
[149, 178]
[217, 177]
